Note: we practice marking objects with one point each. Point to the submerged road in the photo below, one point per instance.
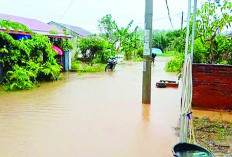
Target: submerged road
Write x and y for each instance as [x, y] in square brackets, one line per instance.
[91, 115]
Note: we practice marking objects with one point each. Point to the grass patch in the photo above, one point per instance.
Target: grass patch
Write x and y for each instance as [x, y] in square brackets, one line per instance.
[214, 135]
[2, 91]
[81, 67]
[169, 54]
[136, 59]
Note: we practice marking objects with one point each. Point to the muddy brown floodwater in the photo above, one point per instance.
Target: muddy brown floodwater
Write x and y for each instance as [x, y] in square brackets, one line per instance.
[91, 115]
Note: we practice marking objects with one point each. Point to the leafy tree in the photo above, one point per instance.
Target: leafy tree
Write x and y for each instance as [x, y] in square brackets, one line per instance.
[128, 39]
[96, 48]
[211, 20]
[107, 25]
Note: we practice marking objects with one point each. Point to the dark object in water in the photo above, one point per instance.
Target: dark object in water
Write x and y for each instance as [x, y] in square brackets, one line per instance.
[190, 150]
[160, 85]
[111, 64]
[166, 83]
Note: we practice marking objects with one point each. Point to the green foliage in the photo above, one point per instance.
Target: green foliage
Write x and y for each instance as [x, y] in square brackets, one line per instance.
[67, 44]
[199, 52]
[224, 50]
[83, 67]
[138, 59]
[107, 25]
[169, 54]
[178, 40]
[95, 49]
[175, 64]
[209, 45]
[169, 40]
[8, 25]
[20, 79]
[129, 39]
[139, 52]
[53, 32]
[64, 44]
[209, 25]
[27, 62]
[160, 40]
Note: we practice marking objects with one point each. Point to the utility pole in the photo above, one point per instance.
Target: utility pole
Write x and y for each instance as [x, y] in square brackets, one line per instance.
[182, 20]
[146, 95]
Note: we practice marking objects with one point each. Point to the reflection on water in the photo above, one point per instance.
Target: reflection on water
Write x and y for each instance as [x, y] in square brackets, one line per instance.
[90, 115]
[146, 112]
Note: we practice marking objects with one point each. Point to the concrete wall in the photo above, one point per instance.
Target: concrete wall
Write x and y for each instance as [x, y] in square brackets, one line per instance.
[212, 86]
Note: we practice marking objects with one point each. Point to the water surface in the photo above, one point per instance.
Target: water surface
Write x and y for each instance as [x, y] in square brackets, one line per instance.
[91, 115]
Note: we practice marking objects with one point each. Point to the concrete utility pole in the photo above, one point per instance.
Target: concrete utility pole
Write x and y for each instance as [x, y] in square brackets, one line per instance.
[146, 95]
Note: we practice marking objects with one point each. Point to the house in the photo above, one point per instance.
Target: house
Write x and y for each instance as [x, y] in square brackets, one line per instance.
[35, 25]
[38, 27]
[72, 30]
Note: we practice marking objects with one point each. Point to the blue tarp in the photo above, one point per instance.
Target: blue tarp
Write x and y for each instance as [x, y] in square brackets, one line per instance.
[157, 51]
[19, 37]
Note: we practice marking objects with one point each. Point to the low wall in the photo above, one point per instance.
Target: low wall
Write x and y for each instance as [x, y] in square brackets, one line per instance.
[212, 86]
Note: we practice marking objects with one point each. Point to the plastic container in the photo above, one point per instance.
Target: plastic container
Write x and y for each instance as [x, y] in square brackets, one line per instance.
[190, 150]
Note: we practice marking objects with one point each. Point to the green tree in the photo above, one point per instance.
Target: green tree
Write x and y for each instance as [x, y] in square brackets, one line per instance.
[107, 25]
[129, 39]
[211, 20]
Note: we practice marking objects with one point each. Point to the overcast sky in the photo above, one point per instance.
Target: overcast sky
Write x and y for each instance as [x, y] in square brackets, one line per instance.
[85, 13]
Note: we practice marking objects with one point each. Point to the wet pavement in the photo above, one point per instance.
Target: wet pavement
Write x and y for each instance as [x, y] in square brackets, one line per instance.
[91, 115]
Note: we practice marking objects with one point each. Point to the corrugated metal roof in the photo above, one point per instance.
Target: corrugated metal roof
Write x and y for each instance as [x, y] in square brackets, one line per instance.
[80, 31]
[33, 24]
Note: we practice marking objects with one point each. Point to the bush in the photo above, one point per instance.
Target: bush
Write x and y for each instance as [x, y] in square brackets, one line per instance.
[200, 51]
[96, 48]
[160, 40]
[27, 62]
[175, 64]
[169, 40]
[20, 78]
[139, 53]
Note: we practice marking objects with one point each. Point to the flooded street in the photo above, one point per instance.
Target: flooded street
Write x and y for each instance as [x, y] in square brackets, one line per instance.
[91, 115]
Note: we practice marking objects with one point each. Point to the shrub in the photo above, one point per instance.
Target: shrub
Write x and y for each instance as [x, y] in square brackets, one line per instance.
[199, 51]
[96, 48]
[20, 79]
[139, 53]
[27, 62]
[175, 64]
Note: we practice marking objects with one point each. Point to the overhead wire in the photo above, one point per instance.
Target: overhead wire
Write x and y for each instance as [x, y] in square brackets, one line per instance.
[66, 10]
[162, 18]
[169, 14]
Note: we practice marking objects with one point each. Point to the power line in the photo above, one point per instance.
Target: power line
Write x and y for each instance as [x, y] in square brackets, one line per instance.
[169, 13]
[162, 18]
[66, 10]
